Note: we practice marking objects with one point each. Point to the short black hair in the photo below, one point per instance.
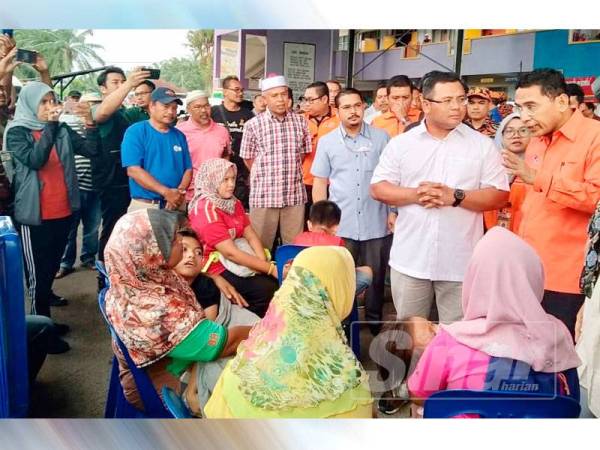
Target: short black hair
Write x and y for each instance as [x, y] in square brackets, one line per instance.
[430, 79]
[148, 83]
[101, 80]
[574, 90]
[228, 79]
[551, 82]
[325, 212]
[320, 87]
[348, 91]
[399, 81]
[380, 85]
[590, 105]
[74, 94]
[339, 85]
[188, 232]
[291, 95]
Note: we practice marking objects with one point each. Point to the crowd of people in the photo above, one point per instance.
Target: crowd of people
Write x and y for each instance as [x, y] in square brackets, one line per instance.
[481, 208]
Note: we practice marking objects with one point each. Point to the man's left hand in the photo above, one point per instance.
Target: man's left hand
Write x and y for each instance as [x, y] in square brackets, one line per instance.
[434, 195]
[517, 167]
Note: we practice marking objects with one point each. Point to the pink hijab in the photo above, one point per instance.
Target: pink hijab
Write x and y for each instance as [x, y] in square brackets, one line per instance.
[501, 302]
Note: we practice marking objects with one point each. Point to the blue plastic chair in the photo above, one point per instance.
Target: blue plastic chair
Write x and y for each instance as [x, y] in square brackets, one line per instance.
[117, 405]
[286, 252]
[175, 404]
[500, 405]
[14, 377]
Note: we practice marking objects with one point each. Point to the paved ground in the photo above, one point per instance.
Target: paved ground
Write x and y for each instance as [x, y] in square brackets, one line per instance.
[74, 384]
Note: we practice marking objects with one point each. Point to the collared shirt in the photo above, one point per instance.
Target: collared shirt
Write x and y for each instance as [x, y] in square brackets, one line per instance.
[276, 146]
[348, 162]
[317, 129]
[436, 243]
[557, 209]
[211, 142]
[488, 128]
[390, 123]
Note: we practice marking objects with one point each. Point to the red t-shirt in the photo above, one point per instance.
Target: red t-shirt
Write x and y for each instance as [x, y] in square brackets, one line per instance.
[54, 197]
[213, 226]
[316, 239]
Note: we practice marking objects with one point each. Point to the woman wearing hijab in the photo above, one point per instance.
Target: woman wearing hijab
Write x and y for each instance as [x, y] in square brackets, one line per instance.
[512, 135]
[296, 362]
[219, 220]
[587, 333]
[152, 308]
[505, 341]
[44, 182]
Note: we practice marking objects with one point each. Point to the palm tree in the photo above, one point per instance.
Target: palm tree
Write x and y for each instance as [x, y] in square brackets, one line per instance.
[64, 50]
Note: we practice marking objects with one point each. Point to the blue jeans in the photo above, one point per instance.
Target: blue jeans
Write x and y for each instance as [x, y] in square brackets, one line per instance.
[89, 215]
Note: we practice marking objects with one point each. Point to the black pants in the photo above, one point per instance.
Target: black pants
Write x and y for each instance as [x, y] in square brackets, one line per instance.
[43, 246]
[113, 203]
[564, 307]
[257, 290]
[40, 334]
[374, 253]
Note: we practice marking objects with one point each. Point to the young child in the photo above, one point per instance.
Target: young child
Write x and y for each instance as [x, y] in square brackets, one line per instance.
[208, 288]
[323, 222]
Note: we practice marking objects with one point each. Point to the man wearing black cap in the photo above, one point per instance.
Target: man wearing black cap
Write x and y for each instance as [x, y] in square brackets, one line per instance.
[156, 156]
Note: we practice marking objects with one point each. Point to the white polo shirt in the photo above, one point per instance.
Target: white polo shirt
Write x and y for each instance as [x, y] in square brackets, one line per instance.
[436, 244]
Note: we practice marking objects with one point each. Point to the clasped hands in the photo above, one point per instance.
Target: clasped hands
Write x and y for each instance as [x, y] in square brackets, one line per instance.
[430, 194]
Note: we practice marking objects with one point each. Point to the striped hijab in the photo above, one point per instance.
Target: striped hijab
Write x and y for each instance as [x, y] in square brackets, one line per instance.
[209, 178]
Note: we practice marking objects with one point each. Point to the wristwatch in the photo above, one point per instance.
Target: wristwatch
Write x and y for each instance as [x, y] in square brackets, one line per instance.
[459, 196]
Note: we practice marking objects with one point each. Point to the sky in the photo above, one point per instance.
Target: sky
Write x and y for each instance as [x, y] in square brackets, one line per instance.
[130, 48]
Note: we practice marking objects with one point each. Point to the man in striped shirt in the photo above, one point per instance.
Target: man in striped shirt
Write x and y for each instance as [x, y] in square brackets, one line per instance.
[89, 214]
[273, 147]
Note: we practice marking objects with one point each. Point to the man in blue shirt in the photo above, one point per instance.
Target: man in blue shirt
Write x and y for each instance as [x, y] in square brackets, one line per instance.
[346, 158]
[156, 156]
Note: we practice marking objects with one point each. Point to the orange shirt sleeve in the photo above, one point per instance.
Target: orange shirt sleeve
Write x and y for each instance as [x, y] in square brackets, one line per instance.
[565, 188]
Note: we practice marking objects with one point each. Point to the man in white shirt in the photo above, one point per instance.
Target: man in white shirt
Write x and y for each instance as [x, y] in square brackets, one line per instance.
[380, 103]
[441, 175]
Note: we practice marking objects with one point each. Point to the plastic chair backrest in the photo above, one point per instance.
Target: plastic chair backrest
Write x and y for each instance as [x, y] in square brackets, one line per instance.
[283, 254]
[153, 405]
[500, 405]
[14, 378]
[174, 404]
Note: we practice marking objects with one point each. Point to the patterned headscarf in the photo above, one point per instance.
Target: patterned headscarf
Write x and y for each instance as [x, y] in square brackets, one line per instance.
[591, 269]
[151, 308]
[297, 356]
[209, 178]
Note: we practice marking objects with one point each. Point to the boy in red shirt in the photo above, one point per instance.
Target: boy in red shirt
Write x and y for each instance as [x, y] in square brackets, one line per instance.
[323, 223]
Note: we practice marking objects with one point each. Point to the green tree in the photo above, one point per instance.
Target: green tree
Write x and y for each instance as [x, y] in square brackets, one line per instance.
[201, 42]
[183, 72]
[64, 50]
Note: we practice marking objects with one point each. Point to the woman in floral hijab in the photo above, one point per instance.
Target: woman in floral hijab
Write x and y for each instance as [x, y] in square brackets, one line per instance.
[151, 308]
[296, 362]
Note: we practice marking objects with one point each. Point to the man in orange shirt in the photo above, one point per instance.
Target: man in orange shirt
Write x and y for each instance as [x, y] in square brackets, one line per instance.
[400, 114]
[321, 120]
[562, 165]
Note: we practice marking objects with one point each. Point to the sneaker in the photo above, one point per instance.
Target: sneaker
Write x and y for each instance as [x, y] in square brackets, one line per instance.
[61, 328]
[90, 265]
[390, 406]
[57, 346]
[63, 272]
[55, 300]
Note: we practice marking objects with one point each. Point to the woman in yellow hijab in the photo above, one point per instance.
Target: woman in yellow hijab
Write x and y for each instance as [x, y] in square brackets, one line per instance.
[296, 362]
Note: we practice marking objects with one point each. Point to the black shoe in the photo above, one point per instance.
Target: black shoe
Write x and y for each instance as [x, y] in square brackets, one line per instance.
[390, 406]
[55, 300]
[57, 346]
[61, 328]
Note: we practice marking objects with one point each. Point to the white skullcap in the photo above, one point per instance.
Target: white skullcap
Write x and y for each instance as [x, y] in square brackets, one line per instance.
[194, 95]
[272, 82]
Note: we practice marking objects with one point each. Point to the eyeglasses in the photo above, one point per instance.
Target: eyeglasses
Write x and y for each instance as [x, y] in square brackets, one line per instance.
[530, 110]
[447, 102]
[511, 132]
[139, 94]
[310, 101]
[237, 90]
